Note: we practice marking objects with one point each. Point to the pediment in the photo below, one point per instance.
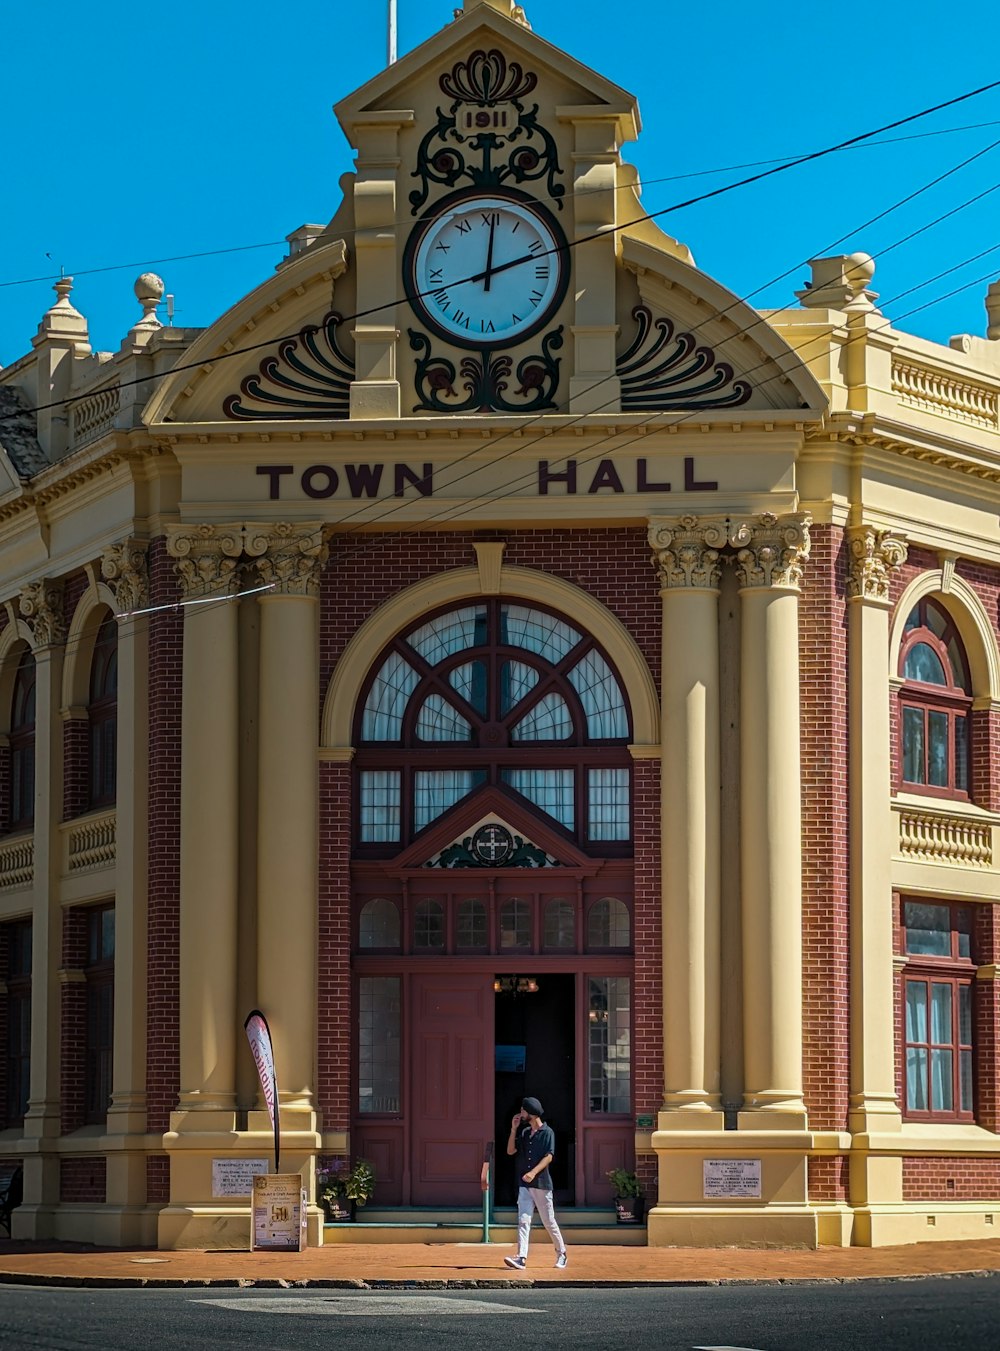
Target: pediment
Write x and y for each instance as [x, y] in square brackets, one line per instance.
[280, 353]
[408, 81]
[690, 343]
[450, 842]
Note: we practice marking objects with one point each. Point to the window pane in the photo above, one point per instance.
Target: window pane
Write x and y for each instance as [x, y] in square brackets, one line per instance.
[428, 927]
[923, 663]
[560, 924]
[601, 697]
[469, 680]
[435, 790]
[928, 929]
[608, 815]
[913, 620]
[536, 632]
[960, 671]
[549, 720]
[916, 1079]
[380, 804]
[515, 924]
[450, 633]
[549, 789]
[439, 721]
[965, 1080]
[913, 745]
[387, 699]
[378, 1043]
[942, 1091]
[965, 1015]
[916, 1011]
[379, 925]
[961, 727]
[516, 680]
[609, 1045]
[937, 749]
[608, 924]
[941, 1033]
[471, 927]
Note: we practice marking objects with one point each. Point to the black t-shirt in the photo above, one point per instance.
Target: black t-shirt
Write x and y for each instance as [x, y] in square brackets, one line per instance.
[531, 1149]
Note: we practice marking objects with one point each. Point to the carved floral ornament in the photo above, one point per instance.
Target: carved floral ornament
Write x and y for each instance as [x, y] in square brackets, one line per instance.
[768, 551]
[123, 567]
[874, 555]
[211, 560]
[41, 606]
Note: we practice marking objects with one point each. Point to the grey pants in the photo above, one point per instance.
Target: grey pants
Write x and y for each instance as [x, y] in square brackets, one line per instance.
[530, 1199]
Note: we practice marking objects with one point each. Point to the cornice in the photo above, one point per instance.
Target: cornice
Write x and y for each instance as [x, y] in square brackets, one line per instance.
[911, 442]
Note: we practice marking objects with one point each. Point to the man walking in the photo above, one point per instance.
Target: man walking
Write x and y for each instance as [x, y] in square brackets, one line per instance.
[534, 1144]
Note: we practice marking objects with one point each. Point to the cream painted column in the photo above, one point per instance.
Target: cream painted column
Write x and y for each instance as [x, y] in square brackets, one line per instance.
[770, 554]
[41, 605]
[290, 558]
[209, 1021]
[686, 554]
[873, 1102]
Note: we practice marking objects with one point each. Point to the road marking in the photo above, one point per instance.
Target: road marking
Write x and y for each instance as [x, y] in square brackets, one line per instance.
[375, 1305]
[725, 1348]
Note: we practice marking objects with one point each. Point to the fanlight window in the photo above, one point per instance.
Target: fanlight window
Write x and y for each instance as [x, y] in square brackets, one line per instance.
[494, 693]
[379, 925]
[935, 704]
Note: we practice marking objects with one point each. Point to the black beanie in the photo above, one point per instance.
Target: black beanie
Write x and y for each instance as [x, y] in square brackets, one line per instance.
[532, 1106]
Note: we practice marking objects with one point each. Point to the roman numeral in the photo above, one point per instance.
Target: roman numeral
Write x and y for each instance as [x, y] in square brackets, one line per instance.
[535, 246]
[443, 248]
[486, 326]
[460, 317]
[437, 275]
[463, 226]
[541, 271]
[515, 318]
[491, 218]
[442, 298]
[517, 226]
[535, 297]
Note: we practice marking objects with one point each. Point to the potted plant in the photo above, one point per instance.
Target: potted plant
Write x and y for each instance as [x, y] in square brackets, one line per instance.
[630, 1203]
[340, 1188]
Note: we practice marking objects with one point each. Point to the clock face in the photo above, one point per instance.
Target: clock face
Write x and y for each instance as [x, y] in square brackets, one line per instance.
[486, 271]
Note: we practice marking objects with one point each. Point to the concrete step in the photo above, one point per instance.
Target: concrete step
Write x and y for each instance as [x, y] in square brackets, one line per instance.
[441, 1225]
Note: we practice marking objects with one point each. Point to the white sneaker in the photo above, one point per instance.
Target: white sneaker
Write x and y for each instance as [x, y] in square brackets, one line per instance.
[518, 1263]
[561, 1260]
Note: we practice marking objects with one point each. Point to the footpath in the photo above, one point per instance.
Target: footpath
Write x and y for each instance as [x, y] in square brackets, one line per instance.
[480, 1266]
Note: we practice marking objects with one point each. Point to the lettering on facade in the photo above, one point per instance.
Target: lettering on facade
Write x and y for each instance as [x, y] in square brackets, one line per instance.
[731, 1178]
[563, 476]
[234, 1177]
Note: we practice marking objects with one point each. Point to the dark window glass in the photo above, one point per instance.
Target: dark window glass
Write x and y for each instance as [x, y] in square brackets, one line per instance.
[938, 999]
[22, 746]
[936, 699]
[103, 715]
[100, 1013]
[18, 1039]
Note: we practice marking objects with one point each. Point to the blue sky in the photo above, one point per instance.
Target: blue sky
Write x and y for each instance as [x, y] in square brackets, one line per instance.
[138, 133]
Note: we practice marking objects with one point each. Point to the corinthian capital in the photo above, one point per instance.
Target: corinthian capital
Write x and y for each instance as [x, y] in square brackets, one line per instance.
[874, 554]
[290, 557]
[206, 556]
[123, 567]
[771, 550]
[686, 551]
[41, 605]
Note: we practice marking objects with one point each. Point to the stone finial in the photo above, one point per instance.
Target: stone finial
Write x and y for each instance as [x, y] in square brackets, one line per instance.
[63, 320]
[993, 311]
[840, 283]
[508, 8]
[149, 292]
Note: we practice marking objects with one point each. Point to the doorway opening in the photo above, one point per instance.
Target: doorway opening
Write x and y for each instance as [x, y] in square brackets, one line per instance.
[535, 1054]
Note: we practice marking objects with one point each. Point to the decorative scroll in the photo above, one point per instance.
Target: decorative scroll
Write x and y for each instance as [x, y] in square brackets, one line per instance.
[207, 557]
[486, 137]
[290, 557]
[41, 604]
[309, 378]
[460, 855]
[686, 552]
[123, 567]
[771, 550]
[486, 376]
[664, 370]
[874, 555]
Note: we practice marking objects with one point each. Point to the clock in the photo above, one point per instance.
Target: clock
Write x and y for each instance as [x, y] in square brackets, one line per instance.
[486, 271]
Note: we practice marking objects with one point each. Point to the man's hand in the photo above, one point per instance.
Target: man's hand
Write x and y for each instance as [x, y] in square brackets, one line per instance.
[516, 1122]
[529, 1178]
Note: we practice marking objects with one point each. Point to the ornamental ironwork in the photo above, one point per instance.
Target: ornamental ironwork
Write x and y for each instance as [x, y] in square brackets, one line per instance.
[309, 376]
[664, 369]
[487, 136]
[486, 377]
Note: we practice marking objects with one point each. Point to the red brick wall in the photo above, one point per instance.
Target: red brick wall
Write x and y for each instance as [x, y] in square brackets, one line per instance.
[825, 844]
[158, 1179]
[4, 972]
[926, 1179]
[333, 1087]
[828, 1179]
[647, 1052]
[163, 974]
[986, 1016]
[76, 767]
[73, 1040]
[83, 1180]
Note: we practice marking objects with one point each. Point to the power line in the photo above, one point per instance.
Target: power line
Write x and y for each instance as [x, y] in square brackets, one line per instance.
[546, 197]
[530, 258]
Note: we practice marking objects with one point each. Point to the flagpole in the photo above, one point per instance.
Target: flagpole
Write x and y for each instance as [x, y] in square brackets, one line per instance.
[392, 33]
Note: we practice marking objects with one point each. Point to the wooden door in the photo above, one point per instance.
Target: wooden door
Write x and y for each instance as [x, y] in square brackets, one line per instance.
[452, 1078]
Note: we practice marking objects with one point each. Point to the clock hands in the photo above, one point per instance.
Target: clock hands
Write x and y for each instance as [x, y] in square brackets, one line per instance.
[489, 254]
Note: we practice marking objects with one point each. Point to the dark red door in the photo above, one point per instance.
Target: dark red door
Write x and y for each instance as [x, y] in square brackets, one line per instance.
[452, 1068]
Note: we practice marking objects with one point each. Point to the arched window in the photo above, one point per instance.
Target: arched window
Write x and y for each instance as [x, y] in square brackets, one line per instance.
[103, 715]
[22, 746]
[496, 693]
[378, 925]
[935, 702]
[608, 924]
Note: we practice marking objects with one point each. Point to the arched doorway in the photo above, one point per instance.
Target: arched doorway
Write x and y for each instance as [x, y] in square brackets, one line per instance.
[491, 901]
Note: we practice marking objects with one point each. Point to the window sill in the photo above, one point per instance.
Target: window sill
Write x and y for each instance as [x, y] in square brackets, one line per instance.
[944, 807]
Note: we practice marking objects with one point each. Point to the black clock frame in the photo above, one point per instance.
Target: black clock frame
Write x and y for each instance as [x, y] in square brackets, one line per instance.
[559, 256]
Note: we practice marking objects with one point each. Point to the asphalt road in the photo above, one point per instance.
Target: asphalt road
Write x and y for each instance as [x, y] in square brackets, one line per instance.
[960, 1313]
